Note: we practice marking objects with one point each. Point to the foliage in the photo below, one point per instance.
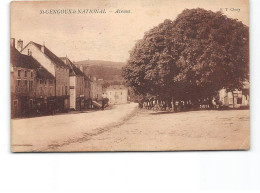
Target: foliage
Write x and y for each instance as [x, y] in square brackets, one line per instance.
[190, 58]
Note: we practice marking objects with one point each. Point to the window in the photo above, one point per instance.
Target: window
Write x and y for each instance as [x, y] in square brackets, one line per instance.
[30, 85]
[25, 73]
[40, 81]
[26, 85]
[18, 87]
[62, 90]
[15, 105]
[19, 73]
[30, 104]
[31, 74]
[50, 81]
[239, 100]
[66, 90]
[41, 91]
[45, 82]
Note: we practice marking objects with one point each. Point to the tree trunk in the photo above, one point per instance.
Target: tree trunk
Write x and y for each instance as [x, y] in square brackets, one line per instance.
[233, 99]
[172, 103]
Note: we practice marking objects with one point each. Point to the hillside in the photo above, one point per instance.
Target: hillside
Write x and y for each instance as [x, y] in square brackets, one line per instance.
[117, 65]
[107, 70]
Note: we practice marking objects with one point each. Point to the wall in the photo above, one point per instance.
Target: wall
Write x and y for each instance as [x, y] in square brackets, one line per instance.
[116, 96]
[87, 89]
[45, 88]
[79, 86]
[232, 100]
[72, 92]
[62, 81]
[24, 87]
[40, 57]
[96, 91]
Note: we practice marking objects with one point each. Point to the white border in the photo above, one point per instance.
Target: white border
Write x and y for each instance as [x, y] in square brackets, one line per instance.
[224, 171]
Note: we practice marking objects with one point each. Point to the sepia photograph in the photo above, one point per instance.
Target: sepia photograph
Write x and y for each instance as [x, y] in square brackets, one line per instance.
[110, 75]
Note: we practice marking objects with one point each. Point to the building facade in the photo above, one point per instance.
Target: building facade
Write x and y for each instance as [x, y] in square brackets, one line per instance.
[235, 99]
[116, 94]
[78, 84]
[26, 90]
[56, 67]
[96, 89]
[23, 78]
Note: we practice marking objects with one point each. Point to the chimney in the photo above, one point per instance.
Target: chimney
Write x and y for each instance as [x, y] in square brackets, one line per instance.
[12, 42]
[20, 45]
[42, 48]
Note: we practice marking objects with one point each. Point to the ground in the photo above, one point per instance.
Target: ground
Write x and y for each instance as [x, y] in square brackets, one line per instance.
[127, 128]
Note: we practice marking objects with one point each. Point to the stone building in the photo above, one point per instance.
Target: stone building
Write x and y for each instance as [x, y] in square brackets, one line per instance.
[26, 74]
[97, 89]
[79, 86]
[56, 67]
[235, 99]
[117, 94]
[45, 100]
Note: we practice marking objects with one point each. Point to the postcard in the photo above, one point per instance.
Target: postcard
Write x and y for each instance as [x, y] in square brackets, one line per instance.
[139, 75]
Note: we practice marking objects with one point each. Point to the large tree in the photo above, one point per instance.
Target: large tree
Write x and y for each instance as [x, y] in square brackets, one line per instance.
[191, 57]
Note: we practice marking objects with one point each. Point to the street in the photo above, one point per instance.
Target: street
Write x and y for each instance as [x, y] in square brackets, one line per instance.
[127, 128]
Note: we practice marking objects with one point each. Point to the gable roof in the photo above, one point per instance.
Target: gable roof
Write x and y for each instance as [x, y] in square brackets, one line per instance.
[49, 54]
[74, 70]
[24, 61]
[19, 60]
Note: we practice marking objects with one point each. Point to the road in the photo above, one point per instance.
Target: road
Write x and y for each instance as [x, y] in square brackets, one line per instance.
[46, 133]
[145, 130]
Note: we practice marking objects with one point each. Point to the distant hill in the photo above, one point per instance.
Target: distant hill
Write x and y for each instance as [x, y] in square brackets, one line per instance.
[117, 65]
[107, 70]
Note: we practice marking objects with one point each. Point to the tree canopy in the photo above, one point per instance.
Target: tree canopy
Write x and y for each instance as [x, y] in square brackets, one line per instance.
[192, 57]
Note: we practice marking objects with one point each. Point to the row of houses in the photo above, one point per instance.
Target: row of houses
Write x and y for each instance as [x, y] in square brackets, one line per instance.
[43, 83]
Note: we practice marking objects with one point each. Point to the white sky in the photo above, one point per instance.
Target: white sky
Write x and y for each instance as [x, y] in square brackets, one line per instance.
[104, 36]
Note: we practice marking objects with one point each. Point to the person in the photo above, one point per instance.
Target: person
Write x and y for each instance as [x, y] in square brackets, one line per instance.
[103, 104]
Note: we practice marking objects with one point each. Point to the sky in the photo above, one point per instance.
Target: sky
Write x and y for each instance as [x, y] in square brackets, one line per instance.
[105, 36]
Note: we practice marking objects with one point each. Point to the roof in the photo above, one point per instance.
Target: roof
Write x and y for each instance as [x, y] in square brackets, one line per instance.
[25, 61]
[50, 55]
[116, 87]
[74, 70]
[19, 60]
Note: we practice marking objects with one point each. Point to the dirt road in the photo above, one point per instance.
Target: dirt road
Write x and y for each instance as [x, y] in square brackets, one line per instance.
[149, 131]
[46, 133]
